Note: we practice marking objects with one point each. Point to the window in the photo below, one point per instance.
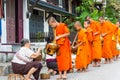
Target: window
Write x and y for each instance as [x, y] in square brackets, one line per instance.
[36, 26]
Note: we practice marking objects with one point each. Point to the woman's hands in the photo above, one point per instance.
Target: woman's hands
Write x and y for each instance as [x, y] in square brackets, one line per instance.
[39, 51]
[35, 55]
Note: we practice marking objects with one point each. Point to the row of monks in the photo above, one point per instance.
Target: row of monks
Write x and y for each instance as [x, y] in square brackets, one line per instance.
[99, 39]
[95, 41]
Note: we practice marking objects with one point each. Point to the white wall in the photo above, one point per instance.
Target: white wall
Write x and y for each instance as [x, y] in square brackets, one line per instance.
[25, 21]
[4, 33]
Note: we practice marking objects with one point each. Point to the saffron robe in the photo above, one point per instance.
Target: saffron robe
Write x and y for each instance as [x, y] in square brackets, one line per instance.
[64, 60]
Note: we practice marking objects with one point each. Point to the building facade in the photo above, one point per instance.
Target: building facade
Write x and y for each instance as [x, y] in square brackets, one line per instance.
[28, 18]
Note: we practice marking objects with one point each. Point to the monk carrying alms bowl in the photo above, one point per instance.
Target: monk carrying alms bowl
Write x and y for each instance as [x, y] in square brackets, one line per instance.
[52, 48]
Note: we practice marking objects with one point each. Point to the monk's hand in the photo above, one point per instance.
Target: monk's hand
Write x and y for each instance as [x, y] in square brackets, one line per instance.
[103, 34]
[76, 46]
[95, 33]
[57, 37]
[73, 47]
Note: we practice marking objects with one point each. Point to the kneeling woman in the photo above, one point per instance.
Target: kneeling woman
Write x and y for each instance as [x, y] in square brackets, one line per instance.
[52, 64]
[23, 63]
[51, 59]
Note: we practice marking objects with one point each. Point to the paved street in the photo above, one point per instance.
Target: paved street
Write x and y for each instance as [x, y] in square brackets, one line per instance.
[106, 72]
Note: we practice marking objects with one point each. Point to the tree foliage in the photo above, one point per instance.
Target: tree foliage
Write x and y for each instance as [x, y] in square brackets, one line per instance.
[87, 8]
[113, 10]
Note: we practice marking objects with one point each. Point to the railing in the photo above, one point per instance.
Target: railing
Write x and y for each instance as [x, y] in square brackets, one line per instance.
[38, 37]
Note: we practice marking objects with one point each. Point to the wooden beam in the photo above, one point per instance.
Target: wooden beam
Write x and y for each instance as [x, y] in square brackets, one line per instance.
[31, 7]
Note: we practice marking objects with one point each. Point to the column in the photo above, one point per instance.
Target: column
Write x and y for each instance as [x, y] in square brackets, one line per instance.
[25, 21]
[70, 6]
[3, 24]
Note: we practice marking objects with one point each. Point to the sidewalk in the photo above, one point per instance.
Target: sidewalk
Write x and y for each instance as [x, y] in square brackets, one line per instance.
[105, 72]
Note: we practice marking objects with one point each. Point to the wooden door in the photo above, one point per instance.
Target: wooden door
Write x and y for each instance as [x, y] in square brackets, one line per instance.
[19, 20]
[10, 21]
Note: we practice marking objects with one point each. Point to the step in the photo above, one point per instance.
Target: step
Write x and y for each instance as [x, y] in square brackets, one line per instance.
[5, 69]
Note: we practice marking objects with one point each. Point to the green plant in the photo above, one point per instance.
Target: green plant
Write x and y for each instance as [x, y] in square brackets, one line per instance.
[40, 36]
[86, 8]
[113, 10]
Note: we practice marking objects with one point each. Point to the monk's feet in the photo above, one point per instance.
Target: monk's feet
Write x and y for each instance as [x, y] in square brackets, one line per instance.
[64, 77]
[86, 70]
[110, 61]
[71, 71]
[60, 78]
[98, 65]
[83, 71]
[79, 70]
[28, 79]
[95, 65]
[106, 62]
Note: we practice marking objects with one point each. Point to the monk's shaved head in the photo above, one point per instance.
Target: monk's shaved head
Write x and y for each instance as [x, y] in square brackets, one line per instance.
[51, 19]
[101, 18]
[86, 23]
[88, 18]
[52, 22]
[77, 23]
[119, 21]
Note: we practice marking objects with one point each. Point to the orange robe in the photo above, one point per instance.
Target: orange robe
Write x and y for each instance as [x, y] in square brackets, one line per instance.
[96, 45]
[89, 34]
[118, 38]
[114, 40]
[118, 35]
[81, 57]
[107, 44]
[64, 59]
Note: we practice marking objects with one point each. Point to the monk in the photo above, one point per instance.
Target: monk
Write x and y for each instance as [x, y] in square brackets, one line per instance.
[114, 41]
[64, 57]
[118, 38]
[81, 56]
[89, 34]
[107, 35]
[96, 44]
